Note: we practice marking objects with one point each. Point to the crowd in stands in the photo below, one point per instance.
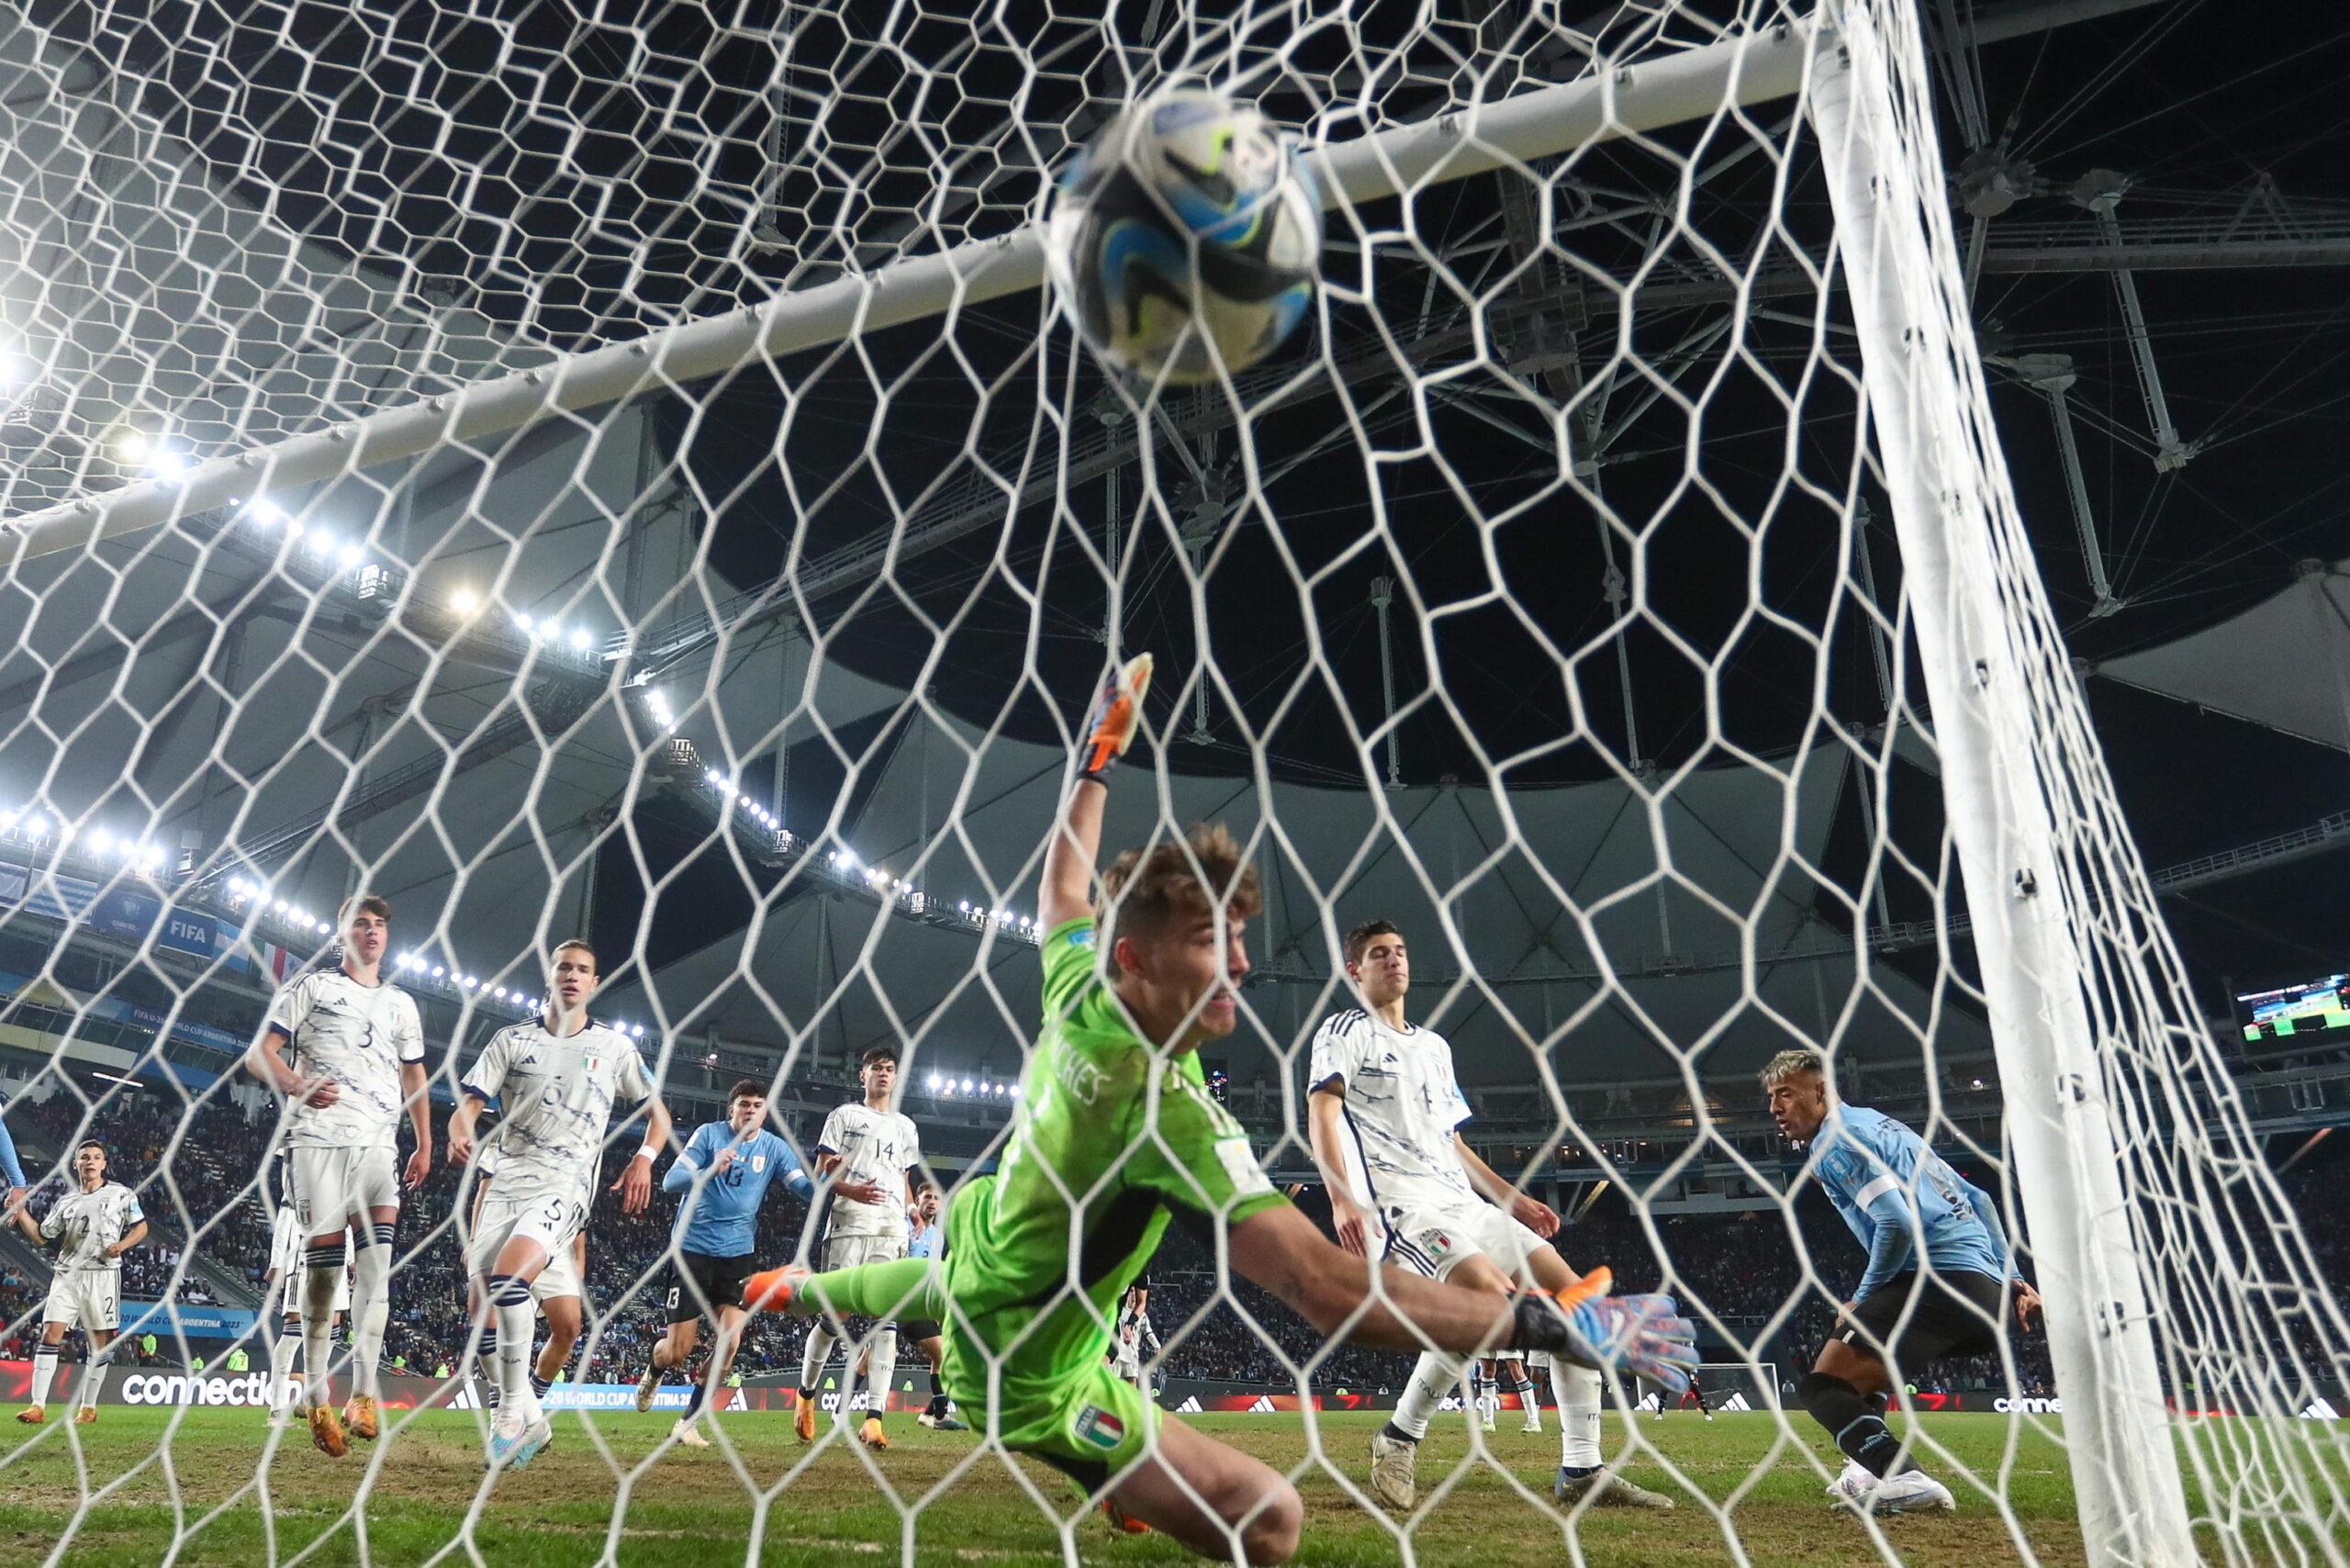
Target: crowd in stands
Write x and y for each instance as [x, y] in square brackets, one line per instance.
[1740, 1274]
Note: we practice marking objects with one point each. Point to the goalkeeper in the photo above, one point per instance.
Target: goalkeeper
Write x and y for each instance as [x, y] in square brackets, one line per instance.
[1116, 1118]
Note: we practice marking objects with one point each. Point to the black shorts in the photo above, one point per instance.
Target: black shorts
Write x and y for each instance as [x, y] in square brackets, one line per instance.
[1957, 1314]
[719, 1282]
[919, 1328]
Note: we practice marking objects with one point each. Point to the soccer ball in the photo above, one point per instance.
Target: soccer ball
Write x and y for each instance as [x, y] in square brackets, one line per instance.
[1186, 232]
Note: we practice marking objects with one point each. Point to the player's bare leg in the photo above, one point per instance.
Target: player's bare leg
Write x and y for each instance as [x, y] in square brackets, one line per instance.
[371, 1310]
[1208, 1497]
[674, 1347]
[731, 1320]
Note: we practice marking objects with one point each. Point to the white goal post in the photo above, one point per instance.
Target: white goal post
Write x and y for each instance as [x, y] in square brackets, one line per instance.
[2189, 1321]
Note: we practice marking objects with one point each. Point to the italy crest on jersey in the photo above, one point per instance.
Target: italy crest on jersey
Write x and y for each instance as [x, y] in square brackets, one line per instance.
[1098, 1427]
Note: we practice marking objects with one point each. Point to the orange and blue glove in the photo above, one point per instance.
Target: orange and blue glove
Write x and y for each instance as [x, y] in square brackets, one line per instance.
[1115, 720]
[1643, 1335]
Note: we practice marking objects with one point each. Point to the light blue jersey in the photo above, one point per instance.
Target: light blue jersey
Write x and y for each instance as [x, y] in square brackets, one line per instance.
[10, 1171]
[720, 1214]
[1892, 1189]
[921, 1240]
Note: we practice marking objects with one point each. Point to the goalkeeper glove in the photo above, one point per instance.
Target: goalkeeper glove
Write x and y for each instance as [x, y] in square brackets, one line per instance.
[1115, 720]
[1643, 1335]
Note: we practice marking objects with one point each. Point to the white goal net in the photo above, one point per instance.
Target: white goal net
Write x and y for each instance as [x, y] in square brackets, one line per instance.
[572, 473]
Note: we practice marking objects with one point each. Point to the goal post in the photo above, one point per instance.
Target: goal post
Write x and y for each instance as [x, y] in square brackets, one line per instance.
[1626, 904]
[2013, 740]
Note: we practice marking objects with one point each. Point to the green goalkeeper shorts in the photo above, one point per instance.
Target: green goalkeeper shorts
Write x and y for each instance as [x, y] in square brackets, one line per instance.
[1091, 1430]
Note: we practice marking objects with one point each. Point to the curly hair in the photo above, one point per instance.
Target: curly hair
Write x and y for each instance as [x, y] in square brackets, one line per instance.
[1171, 882]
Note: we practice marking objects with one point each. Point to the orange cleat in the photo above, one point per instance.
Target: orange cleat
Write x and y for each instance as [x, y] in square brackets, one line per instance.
[1122, 1522]
[359, 1416]
[326, 1432]
[872, 1436]
[86, 1416]
[32, 1414]
[803, 1420]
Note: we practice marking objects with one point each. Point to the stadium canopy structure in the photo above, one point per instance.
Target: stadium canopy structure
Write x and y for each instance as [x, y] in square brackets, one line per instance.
[846, 604]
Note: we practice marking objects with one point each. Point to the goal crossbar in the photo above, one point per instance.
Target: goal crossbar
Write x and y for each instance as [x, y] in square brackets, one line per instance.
[1744, 69]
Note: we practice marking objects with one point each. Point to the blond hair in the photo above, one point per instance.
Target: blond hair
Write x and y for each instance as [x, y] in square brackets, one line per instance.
[1786, 1064]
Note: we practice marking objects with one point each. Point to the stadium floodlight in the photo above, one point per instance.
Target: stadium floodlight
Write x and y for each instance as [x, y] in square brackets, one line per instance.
[931, 1083]
[523, 623]
[580, 640]
[261, 509]
[99, 841]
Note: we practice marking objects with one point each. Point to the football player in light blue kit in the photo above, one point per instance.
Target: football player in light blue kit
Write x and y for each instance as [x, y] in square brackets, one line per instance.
[1900, 1199]
[725, 1173]
[12, 1177]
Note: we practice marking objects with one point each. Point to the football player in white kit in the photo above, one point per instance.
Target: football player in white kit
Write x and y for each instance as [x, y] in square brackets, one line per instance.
[865, 1141]
[1406, 1187]
[285, 1283]
[357, 1049]
[555, 1079]
[558, 1294]
[93, 1225]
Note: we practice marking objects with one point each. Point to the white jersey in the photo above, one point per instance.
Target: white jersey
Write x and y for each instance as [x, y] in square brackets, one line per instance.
[358, 1036]
[556, 1094]
[879, 1146]
[84, 1225]
[1403, 1105]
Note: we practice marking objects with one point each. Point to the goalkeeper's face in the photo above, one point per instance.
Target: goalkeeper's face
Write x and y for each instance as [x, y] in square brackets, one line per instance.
[1183, 985]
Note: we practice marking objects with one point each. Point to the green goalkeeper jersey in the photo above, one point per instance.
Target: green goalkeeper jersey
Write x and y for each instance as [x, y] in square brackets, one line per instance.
[1123, 1132]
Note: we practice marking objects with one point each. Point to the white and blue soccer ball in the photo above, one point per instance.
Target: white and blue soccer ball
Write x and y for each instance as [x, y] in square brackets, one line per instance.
[1188, 231]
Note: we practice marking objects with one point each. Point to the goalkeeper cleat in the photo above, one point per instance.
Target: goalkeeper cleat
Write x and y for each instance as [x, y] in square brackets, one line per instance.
[359, 1417]
[326, 1432]
[1115, 720]
[803, 1418]
[32, 1414]
[684, 1435]
[871, 1435]
[1393, 1462]
[772, 1290]
[1122, 1522]
[86, 1416]
[1607, 1490]
[647, 1387]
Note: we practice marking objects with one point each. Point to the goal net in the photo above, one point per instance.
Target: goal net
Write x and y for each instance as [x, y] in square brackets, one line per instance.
[574, 477]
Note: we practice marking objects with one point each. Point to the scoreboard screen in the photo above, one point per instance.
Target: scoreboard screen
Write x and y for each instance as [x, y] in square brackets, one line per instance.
[2311, 1008]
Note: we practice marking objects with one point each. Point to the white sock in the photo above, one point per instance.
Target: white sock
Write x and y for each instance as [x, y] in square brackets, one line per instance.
[819, 1351]
[881, 1370]
[1529, 1400]
[44, 1372]
[1577, 1389]
[94, 1378]
[281, 1367]
[322, 1273]
[514, 1337]
[1434, 1378]
[371, 1306]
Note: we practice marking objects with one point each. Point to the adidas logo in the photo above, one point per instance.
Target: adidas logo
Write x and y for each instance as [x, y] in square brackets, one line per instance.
[465, 1398]
[2319, 1410]
[1736, 1401]
[1264, 1405]
[1190, 1407]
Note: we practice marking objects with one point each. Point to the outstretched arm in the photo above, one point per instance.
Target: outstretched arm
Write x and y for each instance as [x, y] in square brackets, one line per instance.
[1066, 890]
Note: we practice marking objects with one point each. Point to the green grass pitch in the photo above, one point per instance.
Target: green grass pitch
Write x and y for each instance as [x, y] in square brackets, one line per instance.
[601, 1495]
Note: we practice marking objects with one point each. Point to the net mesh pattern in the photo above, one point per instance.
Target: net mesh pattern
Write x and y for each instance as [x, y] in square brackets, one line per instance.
[1557, 594]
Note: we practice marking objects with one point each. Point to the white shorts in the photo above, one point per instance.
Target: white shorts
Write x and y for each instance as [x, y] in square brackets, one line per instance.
[331, 1185]
[1434, 1241]
[559, 1278]
[848, 1252]
[293, 1288]
[86, 1298]
[549, 1219]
